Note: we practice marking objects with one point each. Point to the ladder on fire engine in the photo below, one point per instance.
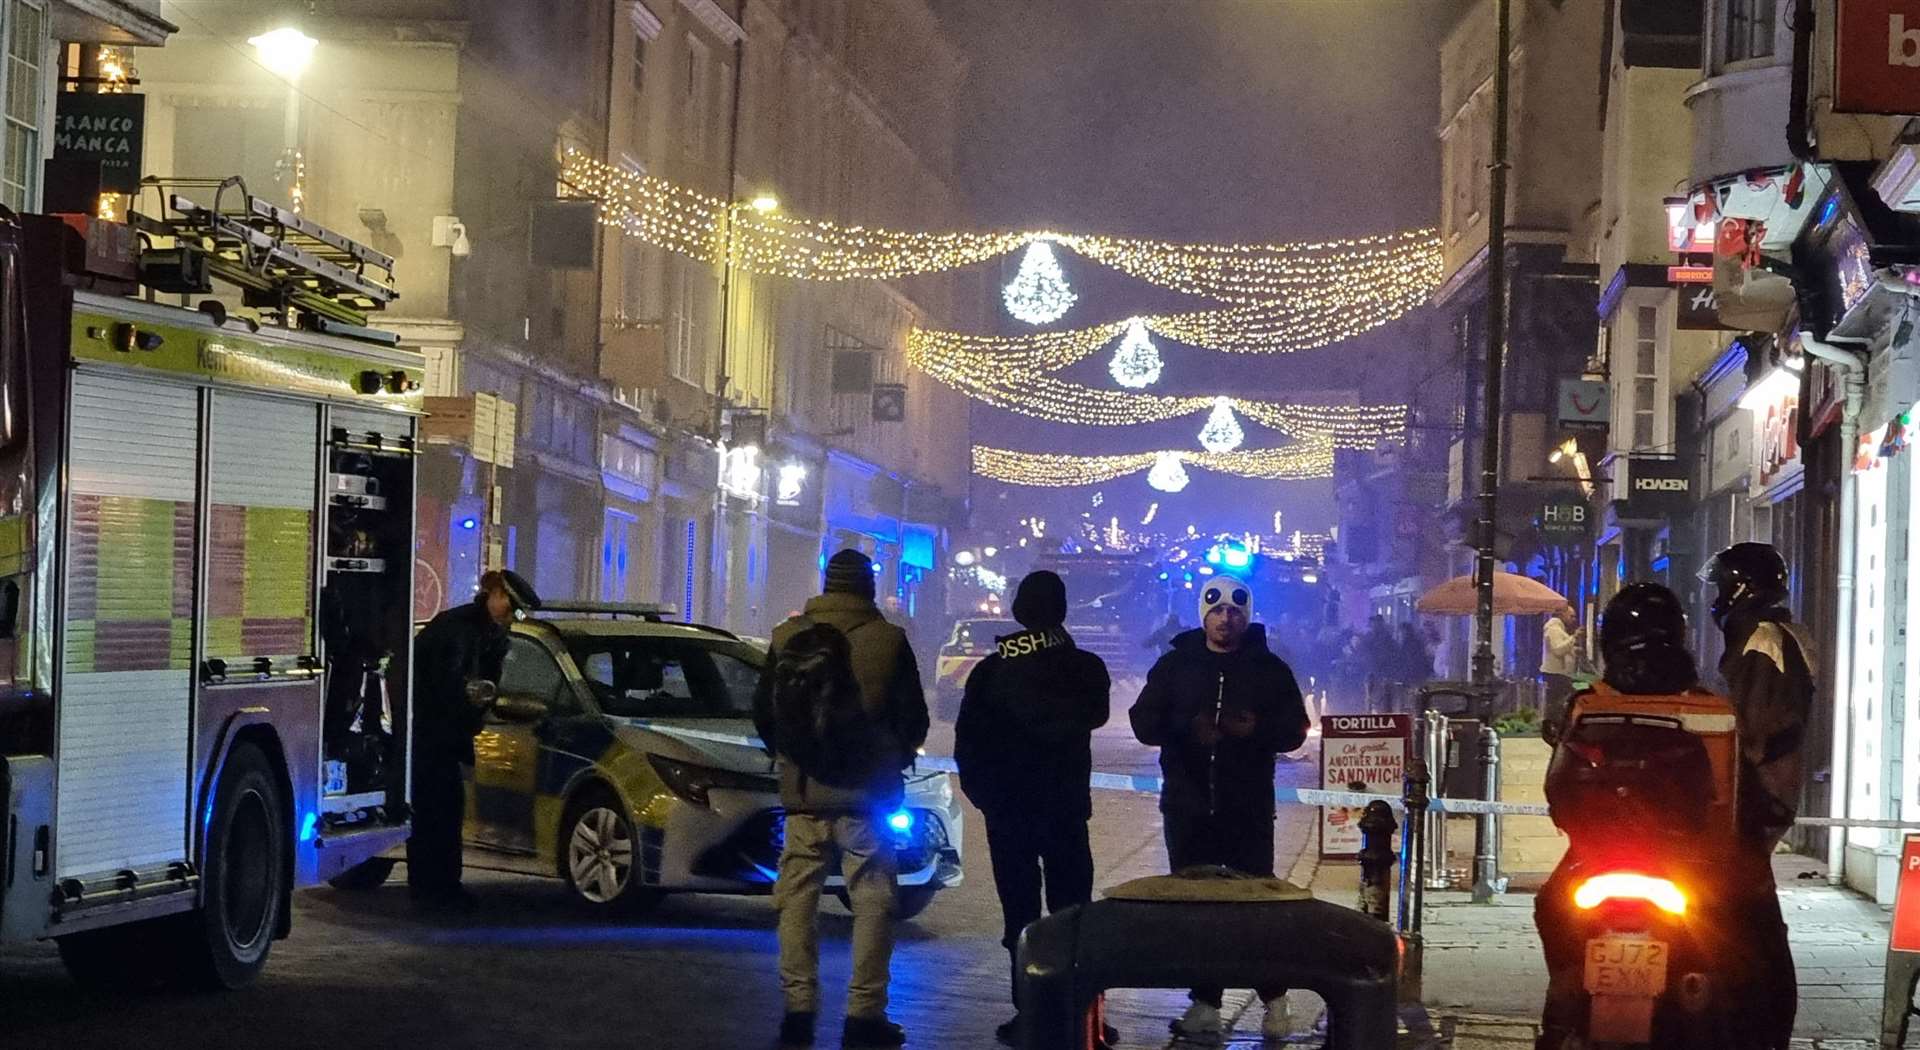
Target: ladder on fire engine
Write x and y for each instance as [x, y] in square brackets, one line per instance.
[283, 262]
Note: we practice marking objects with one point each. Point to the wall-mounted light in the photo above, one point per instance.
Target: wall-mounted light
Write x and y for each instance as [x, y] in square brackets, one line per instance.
[450, 233]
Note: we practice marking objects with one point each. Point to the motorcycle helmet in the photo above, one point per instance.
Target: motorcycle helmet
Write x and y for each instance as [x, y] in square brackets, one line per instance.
[1643, 641]
[1745, 576]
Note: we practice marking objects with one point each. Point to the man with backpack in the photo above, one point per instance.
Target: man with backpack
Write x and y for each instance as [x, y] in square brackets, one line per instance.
[840, 705]
[1023, 743]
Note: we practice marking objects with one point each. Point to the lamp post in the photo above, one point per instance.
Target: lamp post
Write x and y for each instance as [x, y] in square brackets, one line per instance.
[1483, 669]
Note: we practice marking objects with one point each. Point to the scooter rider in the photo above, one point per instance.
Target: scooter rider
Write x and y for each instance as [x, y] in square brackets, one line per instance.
[1768, 666]
[1643, 641]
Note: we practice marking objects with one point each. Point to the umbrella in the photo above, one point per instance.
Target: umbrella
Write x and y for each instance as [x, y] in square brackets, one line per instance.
[1512, 596]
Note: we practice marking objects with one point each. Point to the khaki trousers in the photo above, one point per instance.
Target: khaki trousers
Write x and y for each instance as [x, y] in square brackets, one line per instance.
[867, 863]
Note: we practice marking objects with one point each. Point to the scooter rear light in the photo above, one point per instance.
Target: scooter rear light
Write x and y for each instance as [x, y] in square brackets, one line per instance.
[1621, 885]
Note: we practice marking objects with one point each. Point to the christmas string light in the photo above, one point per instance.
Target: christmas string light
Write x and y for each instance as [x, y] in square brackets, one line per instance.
[1058, 401]
[1038, 294]
[1222, 432]
[1307, 460]
[1136, 364]
[1367, 269]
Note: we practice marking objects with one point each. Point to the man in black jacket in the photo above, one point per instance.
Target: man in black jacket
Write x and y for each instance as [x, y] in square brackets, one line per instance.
[1023, 743]
[1769, 669]
[1220, 706]
[454, 651]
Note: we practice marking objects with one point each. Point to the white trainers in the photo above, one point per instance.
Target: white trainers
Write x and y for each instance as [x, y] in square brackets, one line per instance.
[1278, 1024]
[1201, 1021]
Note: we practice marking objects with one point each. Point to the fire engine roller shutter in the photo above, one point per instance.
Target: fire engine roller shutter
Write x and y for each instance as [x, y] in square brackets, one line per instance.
[262, 478]
[125, 693]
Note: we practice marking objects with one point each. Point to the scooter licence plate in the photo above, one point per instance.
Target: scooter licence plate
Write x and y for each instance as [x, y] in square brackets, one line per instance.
[1626, 965]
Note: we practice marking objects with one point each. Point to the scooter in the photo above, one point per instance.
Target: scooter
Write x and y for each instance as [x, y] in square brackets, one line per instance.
[1645, 789]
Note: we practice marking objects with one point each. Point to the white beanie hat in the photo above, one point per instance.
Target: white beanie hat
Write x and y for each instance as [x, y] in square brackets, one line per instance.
[1225, 590]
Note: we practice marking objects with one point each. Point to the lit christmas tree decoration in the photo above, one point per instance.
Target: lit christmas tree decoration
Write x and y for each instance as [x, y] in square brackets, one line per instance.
[1137, 363]
[1222, 432]
[1038, 294]
[1167, 474]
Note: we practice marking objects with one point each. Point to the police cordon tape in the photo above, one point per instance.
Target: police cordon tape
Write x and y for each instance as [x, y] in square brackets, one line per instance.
[1146, 785]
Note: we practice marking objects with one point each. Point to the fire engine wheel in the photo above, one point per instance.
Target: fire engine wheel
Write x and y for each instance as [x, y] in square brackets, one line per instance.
[599, 855]
[244, 880]
[370, 874]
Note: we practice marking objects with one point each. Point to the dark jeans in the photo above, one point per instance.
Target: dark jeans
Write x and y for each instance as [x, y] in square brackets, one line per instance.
[1242, 843]
[1756, 953]
[1027, 851]
[439, 806]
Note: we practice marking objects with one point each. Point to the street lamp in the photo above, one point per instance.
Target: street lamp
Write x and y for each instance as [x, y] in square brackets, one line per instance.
[285, 51]
[765, 203]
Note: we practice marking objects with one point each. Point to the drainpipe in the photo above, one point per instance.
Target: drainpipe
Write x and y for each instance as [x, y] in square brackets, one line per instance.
[1799, 137]
[1853, 368]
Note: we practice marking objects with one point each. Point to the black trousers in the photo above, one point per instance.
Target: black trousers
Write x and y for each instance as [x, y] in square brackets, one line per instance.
[439, 807]
[1242, 843]
[1756, 953]
[1029, 852]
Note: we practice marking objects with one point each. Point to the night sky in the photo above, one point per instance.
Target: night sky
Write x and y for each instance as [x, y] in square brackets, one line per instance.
[1236, 120]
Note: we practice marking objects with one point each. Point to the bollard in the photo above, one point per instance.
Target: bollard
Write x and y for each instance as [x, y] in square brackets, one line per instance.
[1412, 880]
[1376, 859]
[1486, 827]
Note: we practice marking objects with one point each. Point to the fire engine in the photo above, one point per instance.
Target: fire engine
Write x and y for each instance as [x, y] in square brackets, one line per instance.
[205, 576]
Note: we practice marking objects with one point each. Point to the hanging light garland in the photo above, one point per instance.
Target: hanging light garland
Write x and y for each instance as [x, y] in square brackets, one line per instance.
[679, 219]
[1059, 401]
[1305, 461]
[1038, 294]
[1222, 432]
[1136, 365]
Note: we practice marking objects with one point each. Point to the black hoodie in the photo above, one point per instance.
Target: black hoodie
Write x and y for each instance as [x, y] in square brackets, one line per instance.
[1234, 777]
[1023, 738]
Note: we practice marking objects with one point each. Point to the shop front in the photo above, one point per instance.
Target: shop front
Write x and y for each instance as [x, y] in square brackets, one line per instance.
[1855, 261]
[796, 552]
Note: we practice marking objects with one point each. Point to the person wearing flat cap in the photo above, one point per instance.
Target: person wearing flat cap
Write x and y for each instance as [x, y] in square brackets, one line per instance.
[1023, 743]
[1220, 706]
[455, 652]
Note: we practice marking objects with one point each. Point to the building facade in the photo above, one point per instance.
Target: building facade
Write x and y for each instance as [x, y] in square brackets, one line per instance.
[613, 420]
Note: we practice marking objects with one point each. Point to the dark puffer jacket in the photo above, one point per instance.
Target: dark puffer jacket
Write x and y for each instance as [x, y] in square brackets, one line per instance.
[1023, 738]
[459, 645]
[1234, 777]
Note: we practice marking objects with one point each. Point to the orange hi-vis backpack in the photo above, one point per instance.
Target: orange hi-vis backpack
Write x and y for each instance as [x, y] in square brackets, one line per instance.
[1667, 763]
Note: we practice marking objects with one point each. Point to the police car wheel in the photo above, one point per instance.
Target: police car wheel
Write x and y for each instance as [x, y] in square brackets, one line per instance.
[909, 901]
[598, 854]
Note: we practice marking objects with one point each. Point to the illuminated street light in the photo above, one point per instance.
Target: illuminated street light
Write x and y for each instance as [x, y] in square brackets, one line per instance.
[285, 51]
[963, 558]
[991, 551]
[765, 203]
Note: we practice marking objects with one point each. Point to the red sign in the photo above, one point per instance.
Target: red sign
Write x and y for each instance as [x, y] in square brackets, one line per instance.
[1779, 445]
[1906, 900]
[1877, 57]
[1689, 275]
